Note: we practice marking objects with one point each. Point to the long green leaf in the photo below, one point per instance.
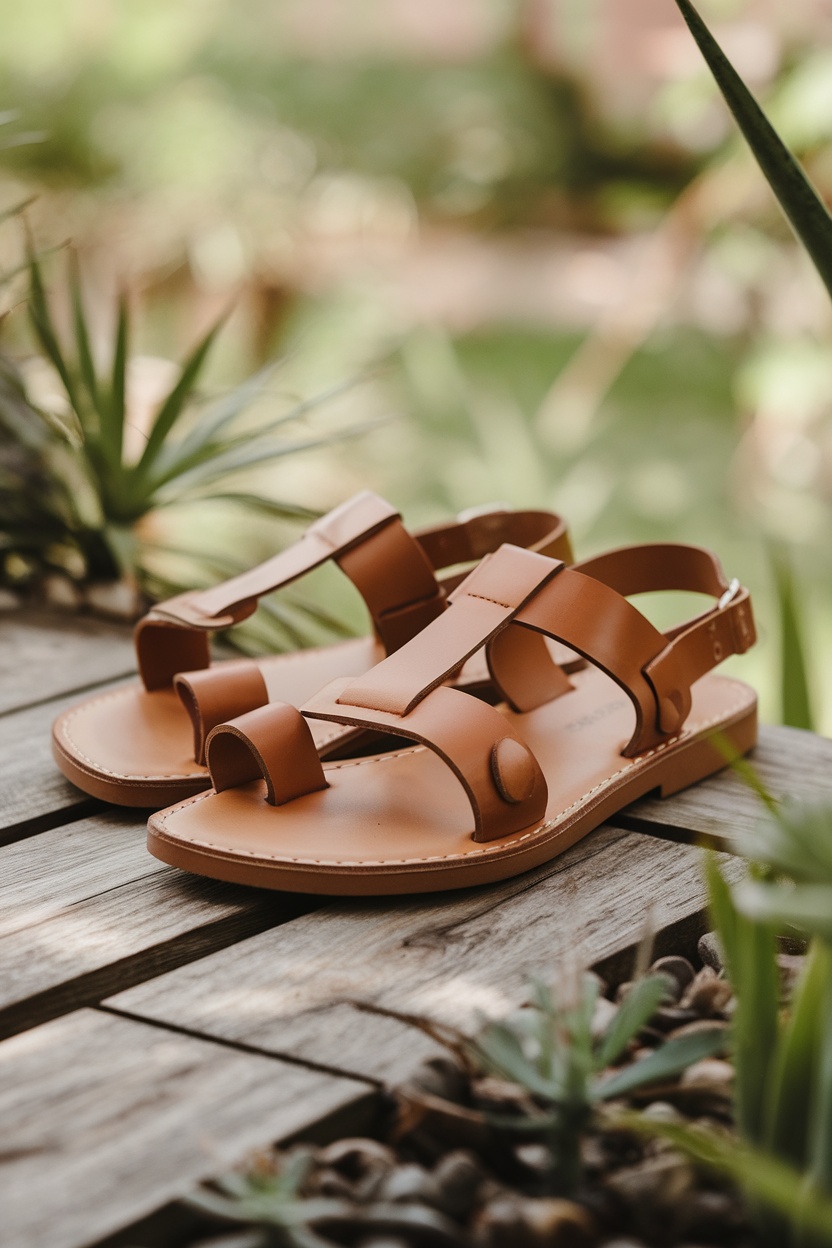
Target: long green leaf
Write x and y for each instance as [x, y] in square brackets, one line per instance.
[82, 340]
[766, 1179]
[791, 1091]
[42, 323]
[674, 1056]
[174, 404]
[798, 198]
[820, 1141]
[750, 954]
[805, 907]
[637, 1008]
[115, 414]
[795, 698]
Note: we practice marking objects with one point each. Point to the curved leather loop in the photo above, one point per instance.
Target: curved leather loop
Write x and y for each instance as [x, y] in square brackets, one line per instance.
[502, 778]
[215, 695]
[164, 648]
[273, 743]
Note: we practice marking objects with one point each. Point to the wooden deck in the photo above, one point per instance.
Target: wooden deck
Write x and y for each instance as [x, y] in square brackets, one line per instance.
[156, 1027]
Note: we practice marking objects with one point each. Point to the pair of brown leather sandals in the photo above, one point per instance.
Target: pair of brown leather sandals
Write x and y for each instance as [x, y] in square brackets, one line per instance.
[490, 720]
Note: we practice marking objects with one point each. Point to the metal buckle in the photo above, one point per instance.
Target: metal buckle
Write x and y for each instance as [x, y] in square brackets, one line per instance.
[730, 594]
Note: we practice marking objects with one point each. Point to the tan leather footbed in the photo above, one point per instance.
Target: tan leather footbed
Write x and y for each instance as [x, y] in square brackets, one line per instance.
[136, 748]
[400, 822]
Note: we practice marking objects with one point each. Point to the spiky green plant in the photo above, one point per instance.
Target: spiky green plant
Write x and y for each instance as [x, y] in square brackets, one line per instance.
[273, 1202]
[73, 500]
[782, 1052]
[551, 1051]
[812, 223]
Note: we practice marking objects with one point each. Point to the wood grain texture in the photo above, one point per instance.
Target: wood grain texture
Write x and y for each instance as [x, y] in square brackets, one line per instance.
[33, 792]
[45, 655]
[292, 991]
[106, 1119]
[787, 760]
[85, 910]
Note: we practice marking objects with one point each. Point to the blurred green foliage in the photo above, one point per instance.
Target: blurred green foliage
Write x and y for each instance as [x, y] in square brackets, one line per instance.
[667, 375]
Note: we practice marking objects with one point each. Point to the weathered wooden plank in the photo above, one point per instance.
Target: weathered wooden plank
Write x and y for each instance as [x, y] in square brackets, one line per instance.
[106, 1119]
[787, 760]
[33, 792]
[85, 911]
[291, 991]
[46, 655]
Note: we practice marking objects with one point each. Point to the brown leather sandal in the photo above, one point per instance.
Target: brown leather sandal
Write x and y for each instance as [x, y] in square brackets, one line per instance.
[482, 792]
[144, 744]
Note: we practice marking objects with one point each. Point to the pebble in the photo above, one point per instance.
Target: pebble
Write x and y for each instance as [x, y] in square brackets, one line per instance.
[662, 1111]
[658, 1182]
[518, 1223]
[407, 1183]
[710, 951]
[439, 1076]
[676, 968]
[459, 1178]
[603, 1014]
[711, 1072]
[708, 994]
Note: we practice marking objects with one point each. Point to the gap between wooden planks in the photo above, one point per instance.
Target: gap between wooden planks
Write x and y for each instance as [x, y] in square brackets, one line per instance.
[105, 1119]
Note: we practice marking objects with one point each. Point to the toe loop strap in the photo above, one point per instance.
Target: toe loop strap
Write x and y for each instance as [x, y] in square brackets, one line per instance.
[215, 695]
[271, 742]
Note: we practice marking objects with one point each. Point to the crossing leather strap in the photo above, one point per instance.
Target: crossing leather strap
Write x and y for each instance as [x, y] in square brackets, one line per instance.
[507, 603]
[395, 572]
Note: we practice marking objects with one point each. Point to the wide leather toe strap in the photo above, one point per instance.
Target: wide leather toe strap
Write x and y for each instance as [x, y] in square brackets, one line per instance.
[501, 776]
[273, 743]
[215, 695]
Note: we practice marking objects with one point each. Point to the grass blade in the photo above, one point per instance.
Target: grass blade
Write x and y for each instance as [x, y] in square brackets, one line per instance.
[765, 1179]
[82, 339]
[750, 954]
[640, 1004]
[45, 330]
[791, 1093]
[798, 198]
[670, 1059]
[795, 700]
[174, 404]
[116, 413]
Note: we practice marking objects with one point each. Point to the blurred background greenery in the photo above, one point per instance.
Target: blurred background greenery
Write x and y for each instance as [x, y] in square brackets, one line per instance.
[526, 227]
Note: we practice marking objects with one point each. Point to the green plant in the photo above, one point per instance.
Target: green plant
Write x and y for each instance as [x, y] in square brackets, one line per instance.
[563, 1066]
[782, 1053]
[76, 500]
[550, 1050]
[273, 1201]
[812, 223]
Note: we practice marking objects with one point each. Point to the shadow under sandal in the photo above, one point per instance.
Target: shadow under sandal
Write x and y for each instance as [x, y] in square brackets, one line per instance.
[482, 792]
[144, 743]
